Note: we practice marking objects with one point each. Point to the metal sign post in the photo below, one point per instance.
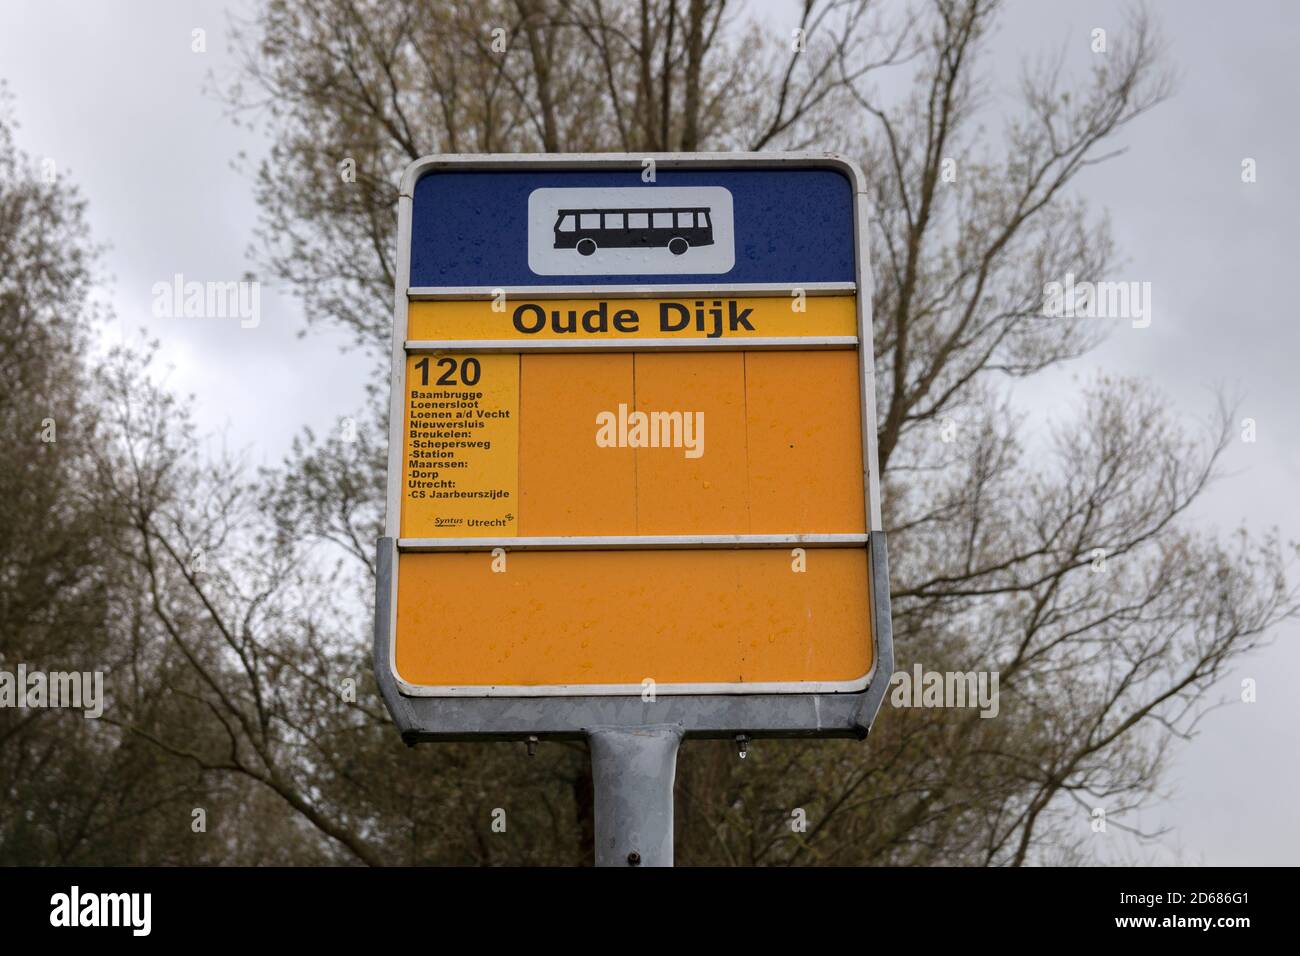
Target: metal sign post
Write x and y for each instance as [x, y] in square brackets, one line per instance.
[632, 770]
[632, 493]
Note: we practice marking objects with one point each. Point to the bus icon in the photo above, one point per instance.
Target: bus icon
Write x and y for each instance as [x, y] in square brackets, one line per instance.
[675, 228]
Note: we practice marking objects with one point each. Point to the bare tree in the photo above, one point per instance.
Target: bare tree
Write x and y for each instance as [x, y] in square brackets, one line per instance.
[73, 789]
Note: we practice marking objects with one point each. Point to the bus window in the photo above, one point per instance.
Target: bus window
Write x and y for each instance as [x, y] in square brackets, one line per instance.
[638, 220]
[663, 220]
[567, 223]
[614, 220]
[590, 220]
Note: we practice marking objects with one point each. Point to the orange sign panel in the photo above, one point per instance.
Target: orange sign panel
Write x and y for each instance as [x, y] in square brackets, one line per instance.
[614, 619]
[628, 445]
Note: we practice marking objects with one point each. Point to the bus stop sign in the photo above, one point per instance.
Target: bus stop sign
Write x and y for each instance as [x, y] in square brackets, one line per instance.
[632, 467]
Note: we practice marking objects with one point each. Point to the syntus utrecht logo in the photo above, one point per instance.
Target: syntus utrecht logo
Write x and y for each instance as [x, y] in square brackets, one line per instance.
[78, 690]
[624, 429]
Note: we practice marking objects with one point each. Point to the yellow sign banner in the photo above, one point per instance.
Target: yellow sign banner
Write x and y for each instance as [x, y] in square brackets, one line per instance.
[461, 461]
[711, 317]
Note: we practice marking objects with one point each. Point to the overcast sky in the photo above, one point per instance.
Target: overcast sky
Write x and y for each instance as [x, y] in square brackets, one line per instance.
[112, 92]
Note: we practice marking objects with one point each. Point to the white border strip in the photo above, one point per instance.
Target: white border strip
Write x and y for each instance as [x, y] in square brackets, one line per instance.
[633, 542]
[784, 343]
[756, 289]
[631, 690]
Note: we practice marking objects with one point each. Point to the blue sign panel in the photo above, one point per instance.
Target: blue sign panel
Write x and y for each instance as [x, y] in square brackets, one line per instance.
[484, 228]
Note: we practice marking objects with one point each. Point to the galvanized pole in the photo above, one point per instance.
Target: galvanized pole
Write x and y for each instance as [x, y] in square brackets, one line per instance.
[633, 769]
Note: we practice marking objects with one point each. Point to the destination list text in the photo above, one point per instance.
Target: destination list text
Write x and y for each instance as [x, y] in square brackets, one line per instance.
[451, 447]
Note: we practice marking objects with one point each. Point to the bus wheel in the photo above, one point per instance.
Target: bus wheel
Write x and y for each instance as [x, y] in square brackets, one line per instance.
[677, 245]
[586, 247]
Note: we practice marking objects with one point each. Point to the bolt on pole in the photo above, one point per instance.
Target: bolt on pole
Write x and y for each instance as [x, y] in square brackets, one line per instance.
[633, 770]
